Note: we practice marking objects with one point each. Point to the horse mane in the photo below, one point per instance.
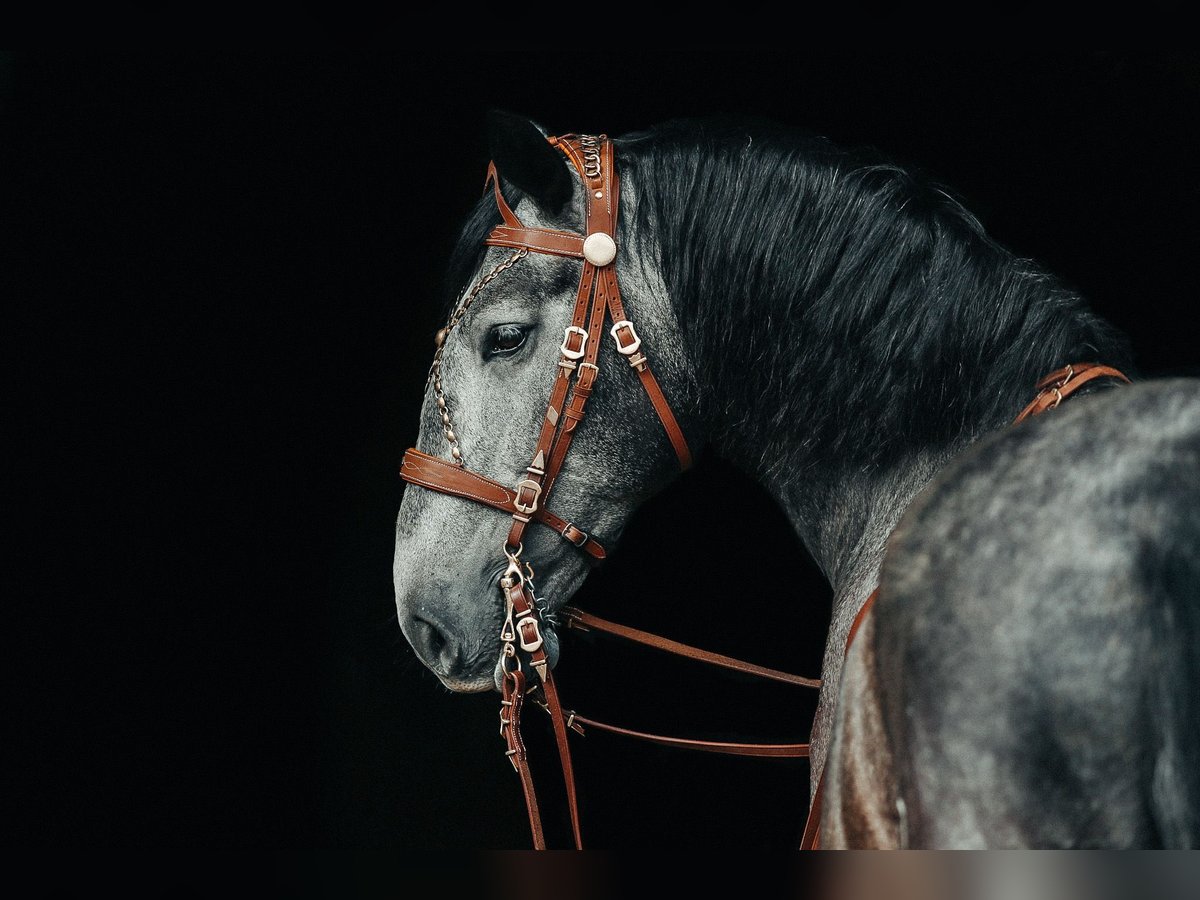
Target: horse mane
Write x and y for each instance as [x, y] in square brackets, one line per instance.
[860, 296]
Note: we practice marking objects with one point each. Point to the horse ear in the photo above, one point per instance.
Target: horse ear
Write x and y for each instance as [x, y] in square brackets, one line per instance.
[524, 157]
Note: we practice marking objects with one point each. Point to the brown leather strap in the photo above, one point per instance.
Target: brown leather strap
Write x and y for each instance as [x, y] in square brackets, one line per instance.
[559, 721]
[778, 751]
[583, 621]
[513, 699]
[529, 633]
[812, 827]
[573, 412]
[811, 839]
[509, 217]
[580, 349]
[447, 478]
[858, 619]
[541, 240]
[1060, 384]
[625, 336]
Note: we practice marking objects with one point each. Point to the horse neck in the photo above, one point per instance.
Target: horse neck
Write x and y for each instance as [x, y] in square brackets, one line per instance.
[844, 494]
[875, 352]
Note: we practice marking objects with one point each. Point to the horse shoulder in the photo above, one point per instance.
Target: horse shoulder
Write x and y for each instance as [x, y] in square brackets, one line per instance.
[1020, 681]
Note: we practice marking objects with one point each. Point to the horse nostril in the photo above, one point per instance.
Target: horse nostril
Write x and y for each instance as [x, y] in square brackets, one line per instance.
[434, 645]
[436, 640]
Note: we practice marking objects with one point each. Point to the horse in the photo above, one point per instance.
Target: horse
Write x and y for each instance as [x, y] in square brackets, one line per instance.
[842, 329]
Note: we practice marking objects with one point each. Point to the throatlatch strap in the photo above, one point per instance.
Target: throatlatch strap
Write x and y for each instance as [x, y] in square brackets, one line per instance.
[629, 345]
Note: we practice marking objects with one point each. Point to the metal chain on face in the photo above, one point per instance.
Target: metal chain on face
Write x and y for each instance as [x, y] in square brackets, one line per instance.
[435, 370]
[591, 154]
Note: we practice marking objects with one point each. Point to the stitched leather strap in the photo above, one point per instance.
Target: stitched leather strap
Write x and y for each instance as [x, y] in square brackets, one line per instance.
[513, 699]
[447, 478]
[583, 621]
[541, 240]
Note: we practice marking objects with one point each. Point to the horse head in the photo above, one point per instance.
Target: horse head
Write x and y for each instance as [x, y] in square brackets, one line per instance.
[486, 403]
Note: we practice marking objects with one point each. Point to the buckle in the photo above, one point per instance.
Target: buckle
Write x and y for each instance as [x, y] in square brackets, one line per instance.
[622, 348]
[531, 507]
[578, 542]
[529, 644]
[567, 351]
[587, 375]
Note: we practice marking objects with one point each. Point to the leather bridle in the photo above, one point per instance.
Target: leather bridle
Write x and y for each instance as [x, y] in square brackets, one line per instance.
[521, 635]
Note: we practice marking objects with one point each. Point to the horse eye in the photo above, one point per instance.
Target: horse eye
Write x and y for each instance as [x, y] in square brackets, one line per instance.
[505, 339]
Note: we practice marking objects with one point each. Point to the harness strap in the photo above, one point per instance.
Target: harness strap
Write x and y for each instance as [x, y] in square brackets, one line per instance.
[773, 751]
[512, 701]
[583, 621]
[445, 477]
[558, 719]
[1060, 384]
[541, 240]
[1052, 389]
[588, 370]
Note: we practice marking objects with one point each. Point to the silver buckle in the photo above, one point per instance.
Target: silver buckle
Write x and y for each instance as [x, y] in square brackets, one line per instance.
[531, 508]
[583, 536]
[529, 646]
[566, 351]
[626, 349]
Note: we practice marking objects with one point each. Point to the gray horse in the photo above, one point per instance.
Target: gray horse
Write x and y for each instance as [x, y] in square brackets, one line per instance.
[845, 332]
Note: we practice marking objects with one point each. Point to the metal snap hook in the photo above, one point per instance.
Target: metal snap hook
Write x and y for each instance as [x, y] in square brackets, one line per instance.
[513, 573]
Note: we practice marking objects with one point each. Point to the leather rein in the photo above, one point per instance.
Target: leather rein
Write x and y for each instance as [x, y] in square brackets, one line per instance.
[521, 635]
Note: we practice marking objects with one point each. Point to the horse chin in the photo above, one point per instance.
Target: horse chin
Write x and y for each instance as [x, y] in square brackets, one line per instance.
[474, 685]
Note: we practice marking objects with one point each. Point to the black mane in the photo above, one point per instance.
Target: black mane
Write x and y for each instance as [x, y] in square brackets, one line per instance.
[861, 298]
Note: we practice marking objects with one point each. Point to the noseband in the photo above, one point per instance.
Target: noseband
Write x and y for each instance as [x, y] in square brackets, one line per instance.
[521, 633]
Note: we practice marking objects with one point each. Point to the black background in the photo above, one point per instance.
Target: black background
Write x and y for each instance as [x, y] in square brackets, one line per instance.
[226, 280]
